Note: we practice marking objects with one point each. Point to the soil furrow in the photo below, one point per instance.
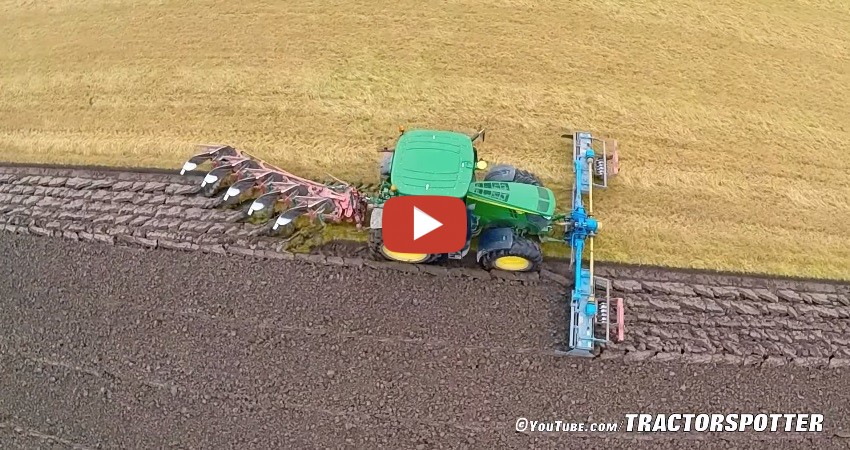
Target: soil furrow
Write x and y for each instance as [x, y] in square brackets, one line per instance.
[104, 343]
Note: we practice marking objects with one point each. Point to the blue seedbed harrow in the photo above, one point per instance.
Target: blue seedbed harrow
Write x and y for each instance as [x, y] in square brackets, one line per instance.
[593, 312]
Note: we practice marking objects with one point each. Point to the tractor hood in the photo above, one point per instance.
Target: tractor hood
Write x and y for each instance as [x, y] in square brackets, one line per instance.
[518, 196]
[427, 162]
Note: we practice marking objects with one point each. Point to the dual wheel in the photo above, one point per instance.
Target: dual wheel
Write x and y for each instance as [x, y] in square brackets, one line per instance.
[523, 256]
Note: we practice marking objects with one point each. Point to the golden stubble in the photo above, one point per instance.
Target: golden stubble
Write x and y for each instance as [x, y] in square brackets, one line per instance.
[732, 117]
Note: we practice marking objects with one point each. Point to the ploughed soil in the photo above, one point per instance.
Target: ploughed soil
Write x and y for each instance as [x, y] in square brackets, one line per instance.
[152, 319]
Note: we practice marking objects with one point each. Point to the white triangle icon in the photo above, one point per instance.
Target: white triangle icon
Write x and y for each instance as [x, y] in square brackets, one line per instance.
[423, 223]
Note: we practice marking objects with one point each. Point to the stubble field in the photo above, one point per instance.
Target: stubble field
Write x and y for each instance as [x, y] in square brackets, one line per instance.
[733, 120]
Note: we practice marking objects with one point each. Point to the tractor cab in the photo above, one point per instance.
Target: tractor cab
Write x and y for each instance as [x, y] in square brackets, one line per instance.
[428, 162]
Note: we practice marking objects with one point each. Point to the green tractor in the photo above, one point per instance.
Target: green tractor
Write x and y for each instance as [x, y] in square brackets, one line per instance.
[510, 211]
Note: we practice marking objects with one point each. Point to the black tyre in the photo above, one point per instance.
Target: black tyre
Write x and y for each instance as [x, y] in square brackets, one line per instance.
[379, 252]
[502, 172]
[526, 177]
[524, 255]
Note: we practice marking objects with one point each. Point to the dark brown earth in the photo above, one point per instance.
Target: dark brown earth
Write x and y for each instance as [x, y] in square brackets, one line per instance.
[224, 339]
[122, 347]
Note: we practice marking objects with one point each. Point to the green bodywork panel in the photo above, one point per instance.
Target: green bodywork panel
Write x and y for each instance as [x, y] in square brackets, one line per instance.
[520, 206]
[428, 162]
[432, 162]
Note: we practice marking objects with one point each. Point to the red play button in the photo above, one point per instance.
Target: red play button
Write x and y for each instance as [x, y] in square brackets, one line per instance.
[424, 224]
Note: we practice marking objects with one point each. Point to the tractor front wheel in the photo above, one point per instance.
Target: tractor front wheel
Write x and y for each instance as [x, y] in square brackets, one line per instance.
[506, 172]
[380, 251]
[524, 255]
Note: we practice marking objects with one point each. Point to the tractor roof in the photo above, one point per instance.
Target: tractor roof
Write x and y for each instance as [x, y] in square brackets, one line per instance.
[430, 162]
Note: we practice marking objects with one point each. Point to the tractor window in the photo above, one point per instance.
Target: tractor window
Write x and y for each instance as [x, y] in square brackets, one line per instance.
[484, 189]
[543, 202]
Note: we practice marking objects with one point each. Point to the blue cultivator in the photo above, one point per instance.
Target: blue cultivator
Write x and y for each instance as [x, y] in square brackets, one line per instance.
[592, 310]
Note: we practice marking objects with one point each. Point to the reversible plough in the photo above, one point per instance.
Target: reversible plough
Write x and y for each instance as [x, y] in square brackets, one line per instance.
[510, 212]
[273, 190]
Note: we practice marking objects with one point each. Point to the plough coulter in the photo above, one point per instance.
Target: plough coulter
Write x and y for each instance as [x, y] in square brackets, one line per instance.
[509, 211]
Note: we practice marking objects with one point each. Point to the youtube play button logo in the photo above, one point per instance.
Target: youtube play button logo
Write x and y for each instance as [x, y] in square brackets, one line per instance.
[424, 224]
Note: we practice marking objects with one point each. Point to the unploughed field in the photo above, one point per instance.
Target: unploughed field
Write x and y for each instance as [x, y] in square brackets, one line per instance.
[733, 119]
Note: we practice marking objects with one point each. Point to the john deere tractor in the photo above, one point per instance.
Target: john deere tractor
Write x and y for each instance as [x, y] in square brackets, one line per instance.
[509, 209]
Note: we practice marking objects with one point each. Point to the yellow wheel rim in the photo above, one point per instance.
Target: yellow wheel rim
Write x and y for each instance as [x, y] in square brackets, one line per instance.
[404, 257]
[512, 263]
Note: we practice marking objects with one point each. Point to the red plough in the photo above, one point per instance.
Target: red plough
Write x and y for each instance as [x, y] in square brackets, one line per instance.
[273, 190]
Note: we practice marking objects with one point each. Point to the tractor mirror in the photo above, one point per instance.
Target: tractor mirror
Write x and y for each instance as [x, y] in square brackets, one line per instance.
[478, 135]
[481, 165]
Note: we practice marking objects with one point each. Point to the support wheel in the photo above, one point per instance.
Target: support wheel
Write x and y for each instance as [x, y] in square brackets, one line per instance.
[505, 172]
[524, 255]
[381, 252]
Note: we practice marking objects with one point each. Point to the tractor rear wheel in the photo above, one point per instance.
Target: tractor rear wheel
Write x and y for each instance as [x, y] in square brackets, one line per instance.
[502, 172]
[524, 255]
[380, 251]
